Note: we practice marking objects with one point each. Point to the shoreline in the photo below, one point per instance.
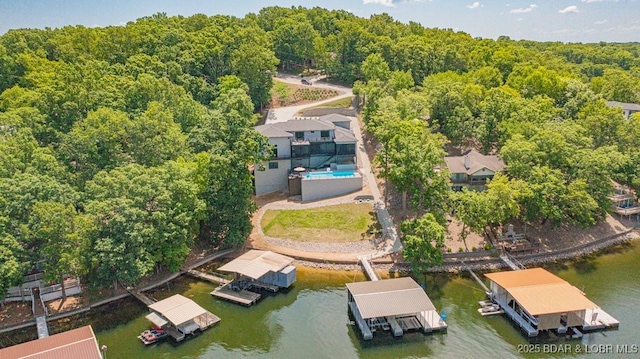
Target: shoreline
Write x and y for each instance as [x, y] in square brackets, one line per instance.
[480, 260]
[484, 260]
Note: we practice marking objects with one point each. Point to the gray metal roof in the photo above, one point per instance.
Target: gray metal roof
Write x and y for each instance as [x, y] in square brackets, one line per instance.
[272, 131]
[255, 263]
[477, 161]
[178, 309]
[304, 125]
[344, 136]
[334, 117]
[624, 105]
[389, 297]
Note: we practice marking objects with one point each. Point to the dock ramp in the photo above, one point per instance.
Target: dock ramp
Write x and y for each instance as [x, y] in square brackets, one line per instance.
[368, 268]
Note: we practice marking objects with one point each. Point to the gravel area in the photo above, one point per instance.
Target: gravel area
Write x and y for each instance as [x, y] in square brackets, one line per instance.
[321, 247]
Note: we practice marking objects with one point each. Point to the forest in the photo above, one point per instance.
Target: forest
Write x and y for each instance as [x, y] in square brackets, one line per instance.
[121, 147]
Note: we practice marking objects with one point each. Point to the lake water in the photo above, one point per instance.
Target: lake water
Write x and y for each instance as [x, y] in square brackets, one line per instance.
[311, 320]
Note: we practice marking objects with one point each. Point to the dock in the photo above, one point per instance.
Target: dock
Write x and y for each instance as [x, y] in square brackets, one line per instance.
[208, 277]
[43, 329]
[603, 320]
[473, 274]
[511, 262]
[244, 297]
[141, 297]
[264, 286]
[368, 268]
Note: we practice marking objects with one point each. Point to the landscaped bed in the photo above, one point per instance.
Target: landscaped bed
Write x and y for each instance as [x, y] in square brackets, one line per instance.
[336, 224]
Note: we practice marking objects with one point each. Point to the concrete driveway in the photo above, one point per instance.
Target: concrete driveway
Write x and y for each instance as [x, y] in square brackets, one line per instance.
[283, 114]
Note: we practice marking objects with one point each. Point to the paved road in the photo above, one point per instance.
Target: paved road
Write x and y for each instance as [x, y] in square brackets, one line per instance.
[283, 114]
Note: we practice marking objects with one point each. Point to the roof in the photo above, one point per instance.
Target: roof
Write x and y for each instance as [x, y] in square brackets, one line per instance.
[389, 297]
[624, 105]
[540, 292]
[178, 309]
[255, 263]
[302, 125]
[344, 136]
[272, 131]
[157, 320]
[76, 343]
[477, 161]
[334, 117]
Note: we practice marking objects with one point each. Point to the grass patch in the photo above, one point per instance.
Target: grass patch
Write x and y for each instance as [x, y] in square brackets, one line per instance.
[339, 103]
[335, 224]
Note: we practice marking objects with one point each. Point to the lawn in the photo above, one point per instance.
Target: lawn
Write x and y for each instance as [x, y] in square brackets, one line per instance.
[336, 224]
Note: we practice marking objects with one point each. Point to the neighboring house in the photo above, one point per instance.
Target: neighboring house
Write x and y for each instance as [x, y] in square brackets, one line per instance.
[472, 169]
[628, 109]
[77, 343]
[326, 143]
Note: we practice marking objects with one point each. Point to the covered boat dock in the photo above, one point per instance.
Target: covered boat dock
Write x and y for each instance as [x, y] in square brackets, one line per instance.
[180, 316]
[253, 272]
[538, 300]
[398, 305]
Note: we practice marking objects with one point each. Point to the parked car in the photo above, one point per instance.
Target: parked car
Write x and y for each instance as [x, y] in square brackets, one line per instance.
[306, 82]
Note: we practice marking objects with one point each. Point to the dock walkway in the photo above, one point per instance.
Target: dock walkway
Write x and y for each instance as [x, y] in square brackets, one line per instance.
[368, 268]
[43, 329]
[208, 277]
[141, 297]
[507, 260]
[473, 274]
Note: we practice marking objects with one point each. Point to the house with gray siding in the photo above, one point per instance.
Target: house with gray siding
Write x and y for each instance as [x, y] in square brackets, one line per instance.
[472, 169]
[323, 144]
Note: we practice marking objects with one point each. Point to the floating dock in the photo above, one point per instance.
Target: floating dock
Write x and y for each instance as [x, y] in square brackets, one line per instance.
[397, 305]
[537, 300]
[243, 297]
[256, 271]
[180, 316]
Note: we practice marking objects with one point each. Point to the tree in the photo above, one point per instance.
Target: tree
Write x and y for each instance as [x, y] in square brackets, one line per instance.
[11, 267]
[423, 242]
[293, 40]
[409, 159]
[63, 240]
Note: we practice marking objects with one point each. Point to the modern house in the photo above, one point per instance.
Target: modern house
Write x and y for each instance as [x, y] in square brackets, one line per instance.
[180, 316]
[472, 169]
[77, 343]
[538, 300]
[397, 305]
[628, 109]
[303, 147]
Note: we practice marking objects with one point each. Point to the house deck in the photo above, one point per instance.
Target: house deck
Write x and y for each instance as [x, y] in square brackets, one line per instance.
[242, 296]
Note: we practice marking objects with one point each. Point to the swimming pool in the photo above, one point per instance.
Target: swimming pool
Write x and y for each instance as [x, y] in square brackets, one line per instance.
[329, 174]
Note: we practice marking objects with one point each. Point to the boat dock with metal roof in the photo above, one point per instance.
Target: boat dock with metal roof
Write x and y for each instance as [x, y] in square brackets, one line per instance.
[538, 300]
[180, 316]
[397, 305]
[253, 272]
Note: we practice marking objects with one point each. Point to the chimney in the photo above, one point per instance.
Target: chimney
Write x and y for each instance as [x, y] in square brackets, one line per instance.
[467, 165]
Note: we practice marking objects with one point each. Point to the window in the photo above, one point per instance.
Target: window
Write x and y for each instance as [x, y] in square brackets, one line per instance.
[273, 165]
[299, 135]
[275, 150]
[324, 134]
